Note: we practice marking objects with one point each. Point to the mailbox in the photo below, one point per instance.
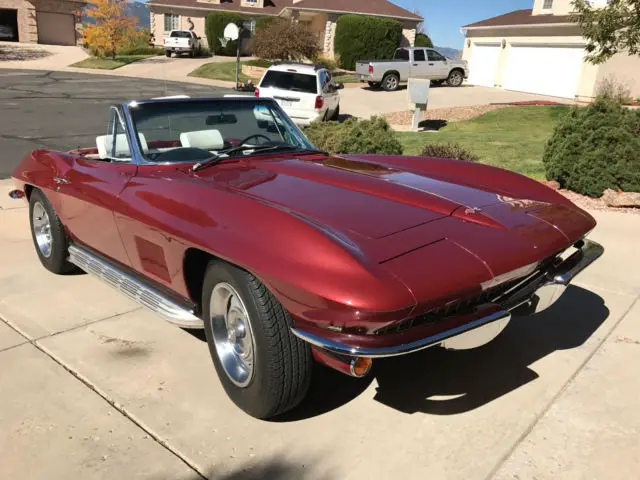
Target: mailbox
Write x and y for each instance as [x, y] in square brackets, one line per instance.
[419, 90]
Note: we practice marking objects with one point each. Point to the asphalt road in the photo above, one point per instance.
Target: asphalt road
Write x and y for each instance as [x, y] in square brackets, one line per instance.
[61, 110]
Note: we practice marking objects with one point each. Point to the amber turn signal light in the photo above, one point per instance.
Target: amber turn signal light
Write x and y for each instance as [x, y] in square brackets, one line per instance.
[360, 366]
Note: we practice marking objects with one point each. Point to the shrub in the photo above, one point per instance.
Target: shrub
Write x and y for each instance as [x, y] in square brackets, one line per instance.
[142, 50]
[360, 37]
[214, 29]
[327, 63]
[423, 40]
[355, 136]
[451, 150]
[594, 148]
[263, 22]
[610, 88]
[285, 40]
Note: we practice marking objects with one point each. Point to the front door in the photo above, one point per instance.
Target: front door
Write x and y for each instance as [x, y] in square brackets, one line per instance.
[419, 67]
[90, 192]
[438, 65]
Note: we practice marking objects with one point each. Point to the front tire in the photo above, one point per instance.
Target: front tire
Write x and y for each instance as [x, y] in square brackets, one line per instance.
[167, 53]
[374, 85]
[455, 79]
[49, 237]
[263, 367]
[391, 82]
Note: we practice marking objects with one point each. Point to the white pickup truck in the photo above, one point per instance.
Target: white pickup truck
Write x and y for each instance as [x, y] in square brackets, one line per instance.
[415, 62]
[182, 41]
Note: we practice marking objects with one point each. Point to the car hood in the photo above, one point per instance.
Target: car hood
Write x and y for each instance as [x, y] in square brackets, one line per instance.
[389, 211]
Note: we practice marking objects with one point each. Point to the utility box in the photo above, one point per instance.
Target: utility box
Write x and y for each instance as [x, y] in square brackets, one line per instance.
[419, 91]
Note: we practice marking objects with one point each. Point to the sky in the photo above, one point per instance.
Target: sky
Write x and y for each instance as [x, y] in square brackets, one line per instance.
[443, 19]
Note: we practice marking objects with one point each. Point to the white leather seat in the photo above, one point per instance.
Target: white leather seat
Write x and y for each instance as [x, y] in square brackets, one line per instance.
[105, 144]
[204, 139]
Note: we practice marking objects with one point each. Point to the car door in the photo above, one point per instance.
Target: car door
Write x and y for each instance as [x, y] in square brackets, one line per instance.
[438, 65]
[419, 66]
[90, 190]
[329, 90]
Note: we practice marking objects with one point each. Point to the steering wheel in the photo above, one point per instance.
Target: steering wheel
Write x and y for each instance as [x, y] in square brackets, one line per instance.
[257, 135]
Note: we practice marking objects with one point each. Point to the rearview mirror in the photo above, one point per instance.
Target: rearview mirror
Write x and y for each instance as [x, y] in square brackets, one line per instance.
[339, 86]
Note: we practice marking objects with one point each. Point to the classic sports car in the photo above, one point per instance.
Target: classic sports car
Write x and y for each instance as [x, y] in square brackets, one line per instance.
[218, 213]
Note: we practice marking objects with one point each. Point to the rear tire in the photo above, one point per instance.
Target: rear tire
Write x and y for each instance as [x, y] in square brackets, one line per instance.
[391, 82]
[49, 237]
[262, 366]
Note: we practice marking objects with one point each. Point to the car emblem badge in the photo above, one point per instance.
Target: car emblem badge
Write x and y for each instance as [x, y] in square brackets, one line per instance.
[471, 211]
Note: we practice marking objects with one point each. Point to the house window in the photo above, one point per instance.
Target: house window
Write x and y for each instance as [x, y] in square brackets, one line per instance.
[548, 4]
[171, 22]
[249, 25]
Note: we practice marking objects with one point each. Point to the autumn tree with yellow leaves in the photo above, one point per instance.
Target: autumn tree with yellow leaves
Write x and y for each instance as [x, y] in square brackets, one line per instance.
[113, 29]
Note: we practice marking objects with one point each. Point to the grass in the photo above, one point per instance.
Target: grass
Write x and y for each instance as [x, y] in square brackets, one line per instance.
[219, 71]
[512, 138]
[108, 63]
[227, 71]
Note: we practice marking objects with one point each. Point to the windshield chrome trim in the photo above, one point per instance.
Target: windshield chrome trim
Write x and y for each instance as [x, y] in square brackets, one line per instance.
[138, 157]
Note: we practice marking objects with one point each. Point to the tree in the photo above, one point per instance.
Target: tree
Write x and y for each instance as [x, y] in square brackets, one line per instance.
[423, 40]
[285, 40]
[609, 30]
[113, 28]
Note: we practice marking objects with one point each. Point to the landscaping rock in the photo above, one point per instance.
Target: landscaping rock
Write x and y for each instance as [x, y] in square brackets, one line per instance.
[621, 199]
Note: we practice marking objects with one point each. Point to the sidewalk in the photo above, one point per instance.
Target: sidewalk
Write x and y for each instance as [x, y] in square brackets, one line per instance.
[95, 387]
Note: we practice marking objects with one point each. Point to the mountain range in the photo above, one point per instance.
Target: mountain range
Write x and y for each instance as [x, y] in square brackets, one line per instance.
[452, 53]
[133, 9]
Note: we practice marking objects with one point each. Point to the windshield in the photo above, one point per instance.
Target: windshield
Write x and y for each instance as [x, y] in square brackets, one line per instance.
[179, 34]
[296, 82]
[191, 131]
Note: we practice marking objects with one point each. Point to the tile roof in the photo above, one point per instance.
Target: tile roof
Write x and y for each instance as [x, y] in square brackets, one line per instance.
[275, 7]
[521, 17]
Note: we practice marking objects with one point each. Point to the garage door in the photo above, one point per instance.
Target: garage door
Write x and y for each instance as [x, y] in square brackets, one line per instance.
[56, 28]
[484, 64]
[545, 70]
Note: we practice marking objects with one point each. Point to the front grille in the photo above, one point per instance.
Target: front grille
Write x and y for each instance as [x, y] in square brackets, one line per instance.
[467, 305]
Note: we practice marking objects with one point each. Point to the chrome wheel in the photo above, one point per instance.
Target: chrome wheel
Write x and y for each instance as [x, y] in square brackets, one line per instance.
[455, 79]
[232, 334]
[391, 82]
[42, 229]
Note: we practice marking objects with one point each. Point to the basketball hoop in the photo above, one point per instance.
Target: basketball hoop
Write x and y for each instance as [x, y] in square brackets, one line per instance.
[223, 41]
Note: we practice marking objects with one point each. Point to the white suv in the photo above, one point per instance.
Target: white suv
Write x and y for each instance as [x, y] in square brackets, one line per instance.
[305, 92]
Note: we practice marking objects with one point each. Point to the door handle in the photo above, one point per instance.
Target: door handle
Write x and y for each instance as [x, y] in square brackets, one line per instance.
[431, 64]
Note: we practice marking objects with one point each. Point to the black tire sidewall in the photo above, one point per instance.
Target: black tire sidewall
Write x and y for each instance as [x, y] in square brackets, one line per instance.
[384, 82]
[260, 398]
[57, 261]
[455, 72]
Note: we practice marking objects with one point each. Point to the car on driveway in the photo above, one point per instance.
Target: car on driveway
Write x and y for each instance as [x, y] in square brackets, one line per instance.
[181, 42]
[414, 62]
[218, 213]
[307, 93]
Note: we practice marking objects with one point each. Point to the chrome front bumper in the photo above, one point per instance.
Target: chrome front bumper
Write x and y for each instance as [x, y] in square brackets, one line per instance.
[532, 296]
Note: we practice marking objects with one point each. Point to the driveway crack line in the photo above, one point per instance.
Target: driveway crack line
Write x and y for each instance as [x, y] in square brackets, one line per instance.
[560, 392]
[102, 394]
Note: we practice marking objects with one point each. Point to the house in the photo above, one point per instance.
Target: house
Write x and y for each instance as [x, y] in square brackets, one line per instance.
[53, 22]
[320, 15]
[541, 51]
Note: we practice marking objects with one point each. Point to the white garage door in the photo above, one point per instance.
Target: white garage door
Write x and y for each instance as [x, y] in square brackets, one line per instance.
[56, 28]
[483, 64]
[544, 70]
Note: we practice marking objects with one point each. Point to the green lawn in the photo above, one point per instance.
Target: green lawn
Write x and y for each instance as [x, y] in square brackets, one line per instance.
[227, 71]
[219, 71]
[512, 138]
[108, 63]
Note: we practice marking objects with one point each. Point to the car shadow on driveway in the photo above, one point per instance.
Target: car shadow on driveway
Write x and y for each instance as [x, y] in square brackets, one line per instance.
[473, 378]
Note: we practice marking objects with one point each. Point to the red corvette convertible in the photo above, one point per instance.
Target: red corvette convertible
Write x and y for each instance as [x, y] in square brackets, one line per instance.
[219, 214]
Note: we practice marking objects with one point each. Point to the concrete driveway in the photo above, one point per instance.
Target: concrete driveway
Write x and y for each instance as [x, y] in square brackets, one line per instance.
[365, 102]
[94, 387]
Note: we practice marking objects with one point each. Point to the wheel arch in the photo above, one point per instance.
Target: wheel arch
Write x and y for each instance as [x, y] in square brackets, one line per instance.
[456, 69]
[390, 72]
